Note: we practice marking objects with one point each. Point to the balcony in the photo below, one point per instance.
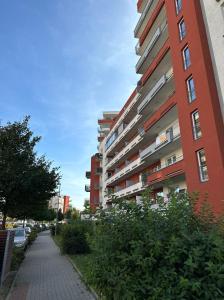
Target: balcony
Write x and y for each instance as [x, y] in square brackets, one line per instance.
[130, 126]
[165, 144]
[163, 172]
[88, 174]
[98, 171]
[124, 115]
[159, 93]
[125, 172]
[145, 16]
[126, 151]
[99, 156]
[87, 188]
[154, 46]
[128, 191]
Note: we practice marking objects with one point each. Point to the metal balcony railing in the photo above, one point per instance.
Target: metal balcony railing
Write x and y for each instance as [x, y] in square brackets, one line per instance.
[160, 83]
[124, 132]
[171, 134]
[151, 44]
[133, 165]
[143, 15]
[126, 149]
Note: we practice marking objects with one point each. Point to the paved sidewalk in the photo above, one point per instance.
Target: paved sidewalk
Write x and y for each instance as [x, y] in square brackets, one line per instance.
[47, 275]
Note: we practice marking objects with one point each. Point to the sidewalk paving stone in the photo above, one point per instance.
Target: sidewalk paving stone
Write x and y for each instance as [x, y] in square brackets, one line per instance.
[47, 275]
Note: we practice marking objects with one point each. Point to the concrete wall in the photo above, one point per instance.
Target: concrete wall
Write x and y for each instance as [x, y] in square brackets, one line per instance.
[213, 13]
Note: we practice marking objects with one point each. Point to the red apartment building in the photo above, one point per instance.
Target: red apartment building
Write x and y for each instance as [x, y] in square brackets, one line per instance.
[95, 186]
[66, 204]
[171, 127]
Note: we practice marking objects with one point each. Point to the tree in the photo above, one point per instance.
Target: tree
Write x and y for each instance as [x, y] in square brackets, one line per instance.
[26, 181]
[60, 215]
[87, 208]
[72, 214]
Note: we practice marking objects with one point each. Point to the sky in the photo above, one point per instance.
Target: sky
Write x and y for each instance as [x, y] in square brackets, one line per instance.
[64, 62]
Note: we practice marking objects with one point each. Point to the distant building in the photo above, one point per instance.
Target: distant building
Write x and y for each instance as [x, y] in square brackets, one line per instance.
[95, 174]
[66, 205]
[56, 203]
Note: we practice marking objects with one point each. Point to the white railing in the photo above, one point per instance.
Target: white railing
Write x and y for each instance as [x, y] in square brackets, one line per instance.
[165, 165]
[143, 15]
[129, 190]
[160, 83]
[151, 44]
[170, 136]
[133, 165]
[119, 121]
[124, 132]
[130, 146]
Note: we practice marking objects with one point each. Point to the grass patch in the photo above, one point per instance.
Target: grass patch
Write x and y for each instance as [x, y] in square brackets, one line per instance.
[82, 262]
[57, 240]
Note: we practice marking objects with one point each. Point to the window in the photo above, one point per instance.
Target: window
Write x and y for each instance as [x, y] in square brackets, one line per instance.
[171, 160]
[196, 125]
[186, 57]
[191, 89]
[203, 170]
[182, 29]
[178, 6]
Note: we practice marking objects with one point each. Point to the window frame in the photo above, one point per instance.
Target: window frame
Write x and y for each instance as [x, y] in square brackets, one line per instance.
[178, 6]
[186, 66]
[191, 92]
[195, 134]
[182, 34]
[200, 166]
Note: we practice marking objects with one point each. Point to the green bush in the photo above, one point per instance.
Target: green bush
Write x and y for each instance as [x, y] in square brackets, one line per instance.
[17, 258]
[168, 253]
[52, 229]
[74, 238]
[32, 236]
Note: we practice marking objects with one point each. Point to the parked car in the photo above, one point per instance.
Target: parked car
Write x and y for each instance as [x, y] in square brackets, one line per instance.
[20, 238]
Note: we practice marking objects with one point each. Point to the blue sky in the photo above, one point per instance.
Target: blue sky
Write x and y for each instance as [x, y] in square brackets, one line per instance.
[64, 62]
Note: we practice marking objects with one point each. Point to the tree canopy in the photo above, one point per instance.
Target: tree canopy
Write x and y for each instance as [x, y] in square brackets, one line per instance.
[27, 181]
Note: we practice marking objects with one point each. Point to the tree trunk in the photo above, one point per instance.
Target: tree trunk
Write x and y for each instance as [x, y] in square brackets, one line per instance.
[4, 220]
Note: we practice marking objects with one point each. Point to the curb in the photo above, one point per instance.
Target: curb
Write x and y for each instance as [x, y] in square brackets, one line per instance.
[81, 276]
[78, 271]
[12, 286]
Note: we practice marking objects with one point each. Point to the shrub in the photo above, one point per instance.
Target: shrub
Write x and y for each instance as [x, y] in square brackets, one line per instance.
[52, 229]
[167, 253]
[17, 258]
[32, 236]
[74, 239]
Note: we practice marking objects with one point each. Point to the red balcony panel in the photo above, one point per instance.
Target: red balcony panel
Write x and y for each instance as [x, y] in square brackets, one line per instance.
[159, 113]
[105, 121]
[139, 5]
[168, 172]
[151, 21]
[163, 51]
